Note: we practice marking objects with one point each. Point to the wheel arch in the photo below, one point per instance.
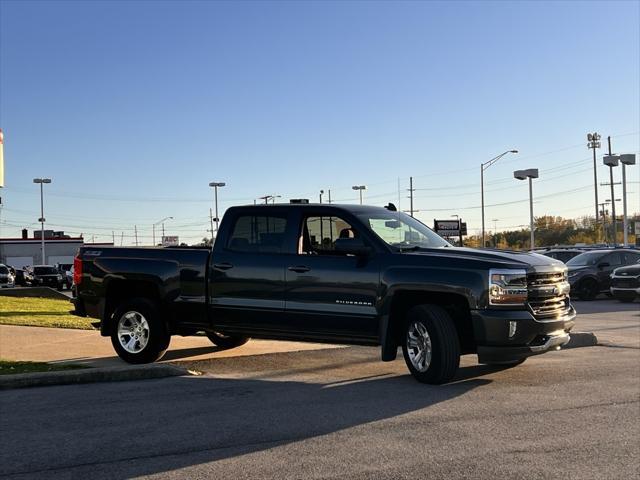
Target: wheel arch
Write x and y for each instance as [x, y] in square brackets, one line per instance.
[120, 290]
[455, 304]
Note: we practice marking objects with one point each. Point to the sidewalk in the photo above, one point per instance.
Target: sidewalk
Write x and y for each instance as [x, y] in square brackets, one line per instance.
[87, 347]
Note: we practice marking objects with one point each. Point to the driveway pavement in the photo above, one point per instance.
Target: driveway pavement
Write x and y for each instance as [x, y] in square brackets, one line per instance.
[87, 347]
[341, 413]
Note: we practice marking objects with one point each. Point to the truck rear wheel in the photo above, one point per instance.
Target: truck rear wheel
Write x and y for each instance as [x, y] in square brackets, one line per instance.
[226, 341]
[430, 344]
[138, 334]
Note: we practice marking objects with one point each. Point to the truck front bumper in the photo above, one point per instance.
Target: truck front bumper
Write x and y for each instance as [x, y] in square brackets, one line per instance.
[505, 337]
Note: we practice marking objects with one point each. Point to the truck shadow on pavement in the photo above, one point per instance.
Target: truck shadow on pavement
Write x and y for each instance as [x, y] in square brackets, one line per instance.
[126, 429]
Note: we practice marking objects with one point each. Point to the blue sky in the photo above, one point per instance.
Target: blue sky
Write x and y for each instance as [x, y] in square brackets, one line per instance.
[133, 107]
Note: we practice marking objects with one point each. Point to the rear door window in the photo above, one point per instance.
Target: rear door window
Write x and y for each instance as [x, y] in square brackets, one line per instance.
[258, 234]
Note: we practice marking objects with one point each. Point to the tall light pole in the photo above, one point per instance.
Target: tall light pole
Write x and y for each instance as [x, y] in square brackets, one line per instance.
[42, 181]
[593, 142]
[215, 186]
[626, 159]
[483, 167]
[154, 228]
[321, 193]
[530, 174]
[360, 188]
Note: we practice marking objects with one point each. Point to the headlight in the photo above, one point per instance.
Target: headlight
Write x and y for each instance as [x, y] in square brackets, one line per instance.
[507, 287]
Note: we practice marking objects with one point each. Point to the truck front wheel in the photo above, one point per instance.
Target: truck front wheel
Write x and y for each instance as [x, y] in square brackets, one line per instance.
[139, 335]
[226, 341]
[430, 344]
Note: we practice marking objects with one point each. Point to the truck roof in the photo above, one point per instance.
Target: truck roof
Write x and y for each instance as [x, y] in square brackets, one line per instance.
[337, 206]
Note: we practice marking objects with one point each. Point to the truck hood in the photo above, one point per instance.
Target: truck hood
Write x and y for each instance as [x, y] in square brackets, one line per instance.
[529, 261]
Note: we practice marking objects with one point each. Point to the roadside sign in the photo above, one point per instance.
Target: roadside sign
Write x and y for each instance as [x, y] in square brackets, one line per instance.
[170, 241]
[447, 228]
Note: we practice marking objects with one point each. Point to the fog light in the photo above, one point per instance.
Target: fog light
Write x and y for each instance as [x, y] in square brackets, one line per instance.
[512, 328]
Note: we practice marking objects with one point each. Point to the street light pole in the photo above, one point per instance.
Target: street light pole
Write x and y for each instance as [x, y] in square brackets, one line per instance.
[42, 181]
[626, 159]
[483, 167]
[530, 174]
[215, 186]
[321, 192]
[359, 188]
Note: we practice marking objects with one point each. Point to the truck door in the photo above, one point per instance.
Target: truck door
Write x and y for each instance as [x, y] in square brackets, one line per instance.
[329, 293]
[247, 280]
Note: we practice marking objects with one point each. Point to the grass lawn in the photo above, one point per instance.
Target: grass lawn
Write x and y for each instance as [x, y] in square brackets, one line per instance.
[40, 312]
[8, 367]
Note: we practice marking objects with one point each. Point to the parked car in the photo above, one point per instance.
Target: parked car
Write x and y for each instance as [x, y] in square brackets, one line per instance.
[346, 274]
[7, 279]
[20, 277]
[590, 272]
[562, 254]
[625, 282]
[66, 270]
[45, 276]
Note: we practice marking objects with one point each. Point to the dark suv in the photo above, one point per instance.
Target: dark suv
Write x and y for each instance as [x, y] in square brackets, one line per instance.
[590, 272]
[46, 276]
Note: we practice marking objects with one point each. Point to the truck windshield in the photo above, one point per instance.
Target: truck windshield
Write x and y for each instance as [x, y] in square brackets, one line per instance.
[402, 231]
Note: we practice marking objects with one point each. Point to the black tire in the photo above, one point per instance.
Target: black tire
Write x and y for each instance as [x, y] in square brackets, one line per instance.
[443, 337]
[588, 289]
[226, 341]
[625, 298]
[157, 336]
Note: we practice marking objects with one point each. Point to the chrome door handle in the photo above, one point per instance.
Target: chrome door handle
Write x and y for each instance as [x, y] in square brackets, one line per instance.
[222, 266]
[299, 269]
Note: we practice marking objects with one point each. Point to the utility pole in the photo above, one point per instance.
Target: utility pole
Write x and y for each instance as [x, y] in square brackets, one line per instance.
[613, 196]
[593, 142]
[113, 238]
[121, 238]
[411, 190]
[329, 195]
[135, 229]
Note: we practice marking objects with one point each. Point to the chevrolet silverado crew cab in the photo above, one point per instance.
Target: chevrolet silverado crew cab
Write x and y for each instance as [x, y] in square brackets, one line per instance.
[334, 274]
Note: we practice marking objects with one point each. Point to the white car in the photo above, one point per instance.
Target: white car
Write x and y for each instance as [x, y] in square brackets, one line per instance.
[7, 279]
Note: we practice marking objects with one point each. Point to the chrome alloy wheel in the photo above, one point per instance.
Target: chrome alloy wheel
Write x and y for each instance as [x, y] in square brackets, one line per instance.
[133, 332]
[419, 346]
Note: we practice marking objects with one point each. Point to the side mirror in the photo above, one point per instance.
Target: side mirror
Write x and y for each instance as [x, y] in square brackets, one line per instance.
[603, 265]
[392, 224]
[352, 246]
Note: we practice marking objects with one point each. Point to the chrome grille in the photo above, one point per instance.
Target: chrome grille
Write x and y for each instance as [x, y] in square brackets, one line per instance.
[548, 294]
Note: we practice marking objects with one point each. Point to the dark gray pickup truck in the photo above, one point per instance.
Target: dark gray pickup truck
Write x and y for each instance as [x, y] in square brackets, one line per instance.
[335, 274]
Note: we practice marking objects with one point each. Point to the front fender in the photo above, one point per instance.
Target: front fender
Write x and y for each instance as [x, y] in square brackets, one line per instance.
[470, 285]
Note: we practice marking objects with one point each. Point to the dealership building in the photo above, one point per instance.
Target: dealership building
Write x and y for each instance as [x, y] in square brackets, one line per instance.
[25, 251]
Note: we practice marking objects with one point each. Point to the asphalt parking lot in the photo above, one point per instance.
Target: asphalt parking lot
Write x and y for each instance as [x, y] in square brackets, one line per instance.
[341, 413]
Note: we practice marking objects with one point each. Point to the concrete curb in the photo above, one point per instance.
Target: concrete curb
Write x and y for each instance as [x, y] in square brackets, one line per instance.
[33, 292]
[581, 339]
[90, 375]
